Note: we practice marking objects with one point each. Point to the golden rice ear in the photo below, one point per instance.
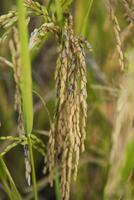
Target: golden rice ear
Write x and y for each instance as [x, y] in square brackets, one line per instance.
[7, 20]
[117, 31]
[38, 35]
[36, 8]
[67, 135]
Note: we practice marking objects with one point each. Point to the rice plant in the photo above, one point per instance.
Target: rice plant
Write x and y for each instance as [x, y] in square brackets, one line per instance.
[66, 99]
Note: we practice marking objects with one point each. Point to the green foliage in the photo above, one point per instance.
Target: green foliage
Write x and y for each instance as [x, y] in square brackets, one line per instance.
[85, 22]
[26, 81]
[59, 11]
[128, 164]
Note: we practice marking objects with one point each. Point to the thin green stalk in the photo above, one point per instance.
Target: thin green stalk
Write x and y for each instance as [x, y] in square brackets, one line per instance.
[128, 164]
[33, 169]
[85, 23]
[26, 83]
[57, 187]
[26, 80]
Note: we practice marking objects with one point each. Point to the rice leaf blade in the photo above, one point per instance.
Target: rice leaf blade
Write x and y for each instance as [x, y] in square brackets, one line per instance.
[26, 80]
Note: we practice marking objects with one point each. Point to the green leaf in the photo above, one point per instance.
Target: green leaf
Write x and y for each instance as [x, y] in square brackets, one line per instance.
[26, 84]
[128, 165]
[59, 10]
[26, 80]
[85, 23]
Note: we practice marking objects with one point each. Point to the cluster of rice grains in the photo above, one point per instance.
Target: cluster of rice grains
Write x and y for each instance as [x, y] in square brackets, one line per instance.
[68, 130]
[7, 20]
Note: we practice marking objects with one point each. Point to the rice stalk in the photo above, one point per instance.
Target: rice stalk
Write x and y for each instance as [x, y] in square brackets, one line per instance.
[37, 9]
[10, 147]
[38, 141]
[22, 140]
[11, 138]
[57, 186]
